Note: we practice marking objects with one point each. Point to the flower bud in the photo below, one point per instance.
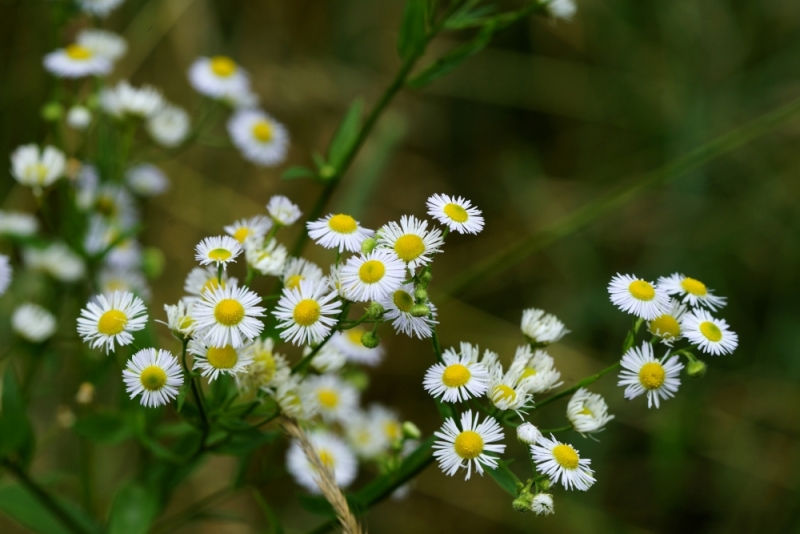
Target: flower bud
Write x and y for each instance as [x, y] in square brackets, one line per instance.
[425, 278]
[421, 294]
[420, 310]
[153, 262]
[85, 393]
[370, 340]
[523, 502]
[696, 369]
[528, 434]
[411, 431]
[327, 172]
[78, 117]
[542, 504]
[52, 111]
[368, 245]
[375, 310]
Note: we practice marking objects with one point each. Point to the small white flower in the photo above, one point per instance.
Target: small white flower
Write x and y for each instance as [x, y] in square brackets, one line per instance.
[588, 412]
[101, 8]
[228, 316]
[365, 437]
[294, 400]
[562, 9]
[411, 241]
[306, 313]
[102, 43]
[338, 231]
[218, 77]
[561, 463]
[35, 168]
[328, 359]
[179, 318]
[528, 434]
[155, 375]
[111, 320]
[18, 224]
[371, 277]
[667, 326]
[169, 126]
[643, 373]
[638, 297]
[398, 306]
[283, 211]
[337, 399]
[691, 291]
[542, 504]
[79, 118]
[111, 279]
[124, 100]
[33, 322]
[116, 204]
[537, 370]
[299, 269]
[349, 343]
[5, 273]
[261, 139]
[267, 370]
[468, 446]
[268, 259]
[219, 250]
[76, 61]
[542, 328]
[506, 391]
[456, 213]
[333, 453]
[201, 279]
[57, 260]
[457, 378]
[146, 180]
[214, 361]
[713, 336]
[252, 228]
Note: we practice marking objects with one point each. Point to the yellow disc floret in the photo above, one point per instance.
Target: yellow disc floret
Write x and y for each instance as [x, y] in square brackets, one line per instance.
[409, 247]
[711, 331]
[371, 271]
[153, 378]
[112, 323]
[468, 444]
[529, 371]
[223, 66]
[342, 224]
[456, 212]
[665, 326]
[327, 459]
[403, 300]
[222, 357]
[354, 336]
[566, 456]
[262, 131]
[212, 283]
[293, 282]
[306, 312]
[220, 254]
[241, 234]
[456, 375]
[503, 392]
[642, 290]
[652, 375]
[229, 312]
[695, 287]
[75, 51]
[586, 411]
[328, 398]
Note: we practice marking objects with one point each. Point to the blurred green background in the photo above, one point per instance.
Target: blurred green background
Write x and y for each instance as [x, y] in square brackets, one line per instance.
[548, 118]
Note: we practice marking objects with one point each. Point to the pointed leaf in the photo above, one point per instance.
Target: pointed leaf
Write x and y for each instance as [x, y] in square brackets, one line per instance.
[454, 58]
[412, 29]
[346, 135]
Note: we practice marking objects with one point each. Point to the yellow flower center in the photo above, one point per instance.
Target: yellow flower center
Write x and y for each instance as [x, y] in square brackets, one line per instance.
[222, 357]
[371, 271]
[529, 371]
[262, 131]
[711, 331]
[342, 224]
[354, 336]
[665, 326]
[328, 398]
[105, 205]
[566, 456]
[504, 393]
[586, 411]
[241, 234]
[38, 171]
[652, 375]
[212, 283]
[306, 312]
[409, 247]
[642, 290]
[153, 378]
[393, 430]
[403, 300]
[223, 66]
[76, 51]
[327, 459]
[267, 364]
[219, 254]
[469, 444]
[456, 212]
[456, 375]
[229, 312]
[293, 282]
[695, 287]
[185, 323]
[112, 323]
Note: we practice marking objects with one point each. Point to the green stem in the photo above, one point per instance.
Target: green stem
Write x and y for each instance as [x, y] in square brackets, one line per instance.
[171, 523]
[198, 399]
[557, 430]
[583, 383]
[437, 347]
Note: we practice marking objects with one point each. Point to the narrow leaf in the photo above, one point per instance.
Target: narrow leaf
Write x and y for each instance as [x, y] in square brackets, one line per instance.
[133, 510]
[453, 59]
[504, 478]
[293, 173]
[412, 29]
[346, 135]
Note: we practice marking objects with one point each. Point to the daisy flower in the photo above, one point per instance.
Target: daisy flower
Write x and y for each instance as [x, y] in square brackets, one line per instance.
[5, 273]
[112, 279]
[201, 279]
[124, 100]
[542, 503]
[588, 412]
[691, 291]
[639, 297]
[537, 370]
[268, 259]
[33, 322]
[261, 139]
[214, 361]
[169, 126]
[365, 437]
[337, 399]
[218, 77]
[218, 250]
[456, 213]
[667, 326]
[102, 43]
[254, 227]
[179, 318]
[456, 379]
[155, 375]
[227, 316]
[18, 224]
[643, 373]
[111, 320]
[116, 205]
[57, 260]
[283, 211]
[561, 463]
[294, 400]
[299, 269]
[713, 336]
[329, 359]
[76, 61]
[349, 343]
[79, 118]
[338, 231]
[505, 390]
[306, 313]
[146, 180]
[333, 453]
[561, 9]
[468, 446]
[528, 434]
[411, 241]
[387, 422]
[266, 368]
[101, 8]
[398, 306]
[372, 276]
[35, 168]
[541, 328]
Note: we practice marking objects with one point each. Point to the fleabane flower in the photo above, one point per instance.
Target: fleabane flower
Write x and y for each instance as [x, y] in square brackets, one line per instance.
[113, 279]
[37, 169]
[365, 437]
[219, 250]
[268, 259]
[372, 276]
[712, 336]
[411, 241]
[456, 213]
[468, 446]
[334, 454]
[179, 318]
[283, 211]
[214, 361]
[300, 269]
[18, 224]
[339, 231]
[57, 260]
[79, 118]
[267, 369]
[201, 279]
[102, 43]
[667, 326]
[254, 228]
[348, 342]
[155, 375]
[218, 77]
[561, 9]
[562, 463]
[542, 504]
[505, 390]
[398, 306]
[260, 138]
[642, 373]
[228, 316]
[638, 297]
[5, 273]
[691, 291]
[146, 180]
[306, 313]
[588, 412]
[101, 8]
[541, 328]
[337, 399]
[169, 126]
[528, 434]
[328, 359]
[110, 320]
[537, 372]
[76, 61]
[295, 400]
[33, 322]
[456, 378]
[124, 100]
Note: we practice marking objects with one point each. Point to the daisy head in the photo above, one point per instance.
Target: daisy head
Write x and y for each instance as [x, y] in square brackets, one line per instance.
[294, 399]
[283, 211]
[468, 446]
[337, 399]
[456, 378]
[562, 463]
[110, 320]
[268, 258]
[542, 328]
[102, 43]
[226, 360]
[155, 375]
[365, 437]
[201, 279]
[260, 138]
[588, 412]
[124, 100]
[37, 169]
[57, 260]
[76, 61]
[411, 241]
[33, 323]
[348, 342]
[266, 370]
[528, 434]
[333, 453]
[218, 251]
[338, 231]
[712, 336]
[299, 269]
[307, 313]
[542, 504]
[638, 297]
[328, 359]
[5, 273]
[169, 126]
[253, 228]
[218, 77]
[642, 373]
[398, 305]
[79, 118]
[562, 9]
[691, 291]
[667, 326]
[537, 372]
[506, 392]
[179, 318]
[228, 316]
[146, 180]
[372, 276]
[100, 8]
[456, 213]
[18, 224]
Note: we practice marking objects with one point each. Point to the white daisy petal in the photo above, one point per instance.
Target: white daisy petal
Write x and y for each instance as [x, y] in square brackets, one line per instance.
[110, 320]
[306, 313]
[691, 291]
[228, 316]
[562, 463]
[218, 250]
[398, 306]
[713, 336]
[76, 61]
[225, 359]
[457, 213]
[333, 452]
[588, 412]
[468, 446]
[155, 375]
[642, 373]
[638, 297]
[261, 139]
[33, 322]
[338, 231]
[283, 211]
[457, 379]
[218, 77]
[372, 276]
[411, 241]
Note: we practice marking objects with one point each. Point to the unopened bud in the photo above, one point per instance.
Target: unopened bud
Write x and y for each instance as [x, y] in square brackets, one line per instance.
[65, 417]
[358, 379]
[370, 340]
[425, 278]
[85, 393]
[327, 172]
[696, 369]
[421, 294]
[368, 245]
[375, 310]
[420, 310]
[411, 431]
[528, 434]
[153, 262]
[52, 111]
[79, 118]
[523, 502]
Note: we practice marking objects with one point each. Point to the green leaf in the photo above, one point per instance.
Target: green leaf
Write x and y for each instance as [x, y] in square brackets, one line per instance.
[468, 17]
[630, 339]
[103, 427]
[454, 58]
[16, 433]
[504, 478]
[382, 486]
[25, 509]
[275, 526]
[246, 442]
[133, 510]
[412, 29]
[159, 450]
[346, 135]
[319, 161]
[293, 173]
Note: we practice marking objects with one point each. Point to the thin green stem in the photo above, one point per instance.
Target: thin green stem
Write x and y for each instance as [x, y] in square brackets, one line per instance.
[192, 511]
[583, 383]
[437, 347]
[198, 399]
[557, 430]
